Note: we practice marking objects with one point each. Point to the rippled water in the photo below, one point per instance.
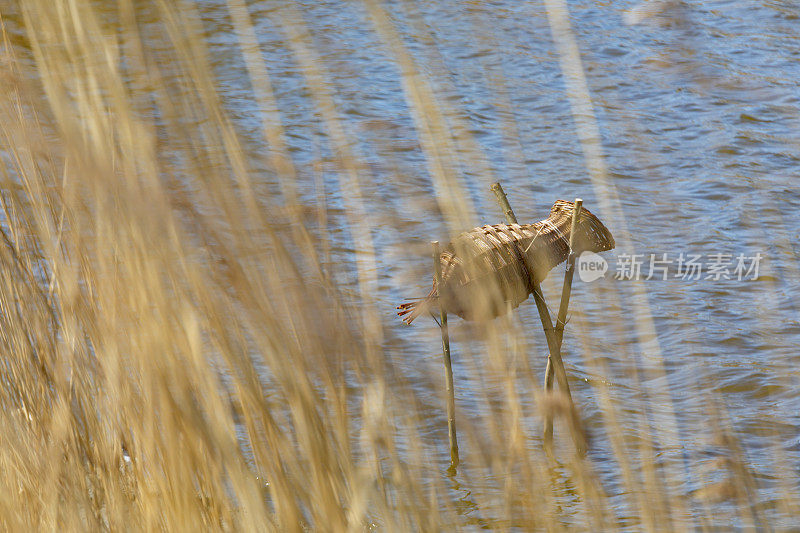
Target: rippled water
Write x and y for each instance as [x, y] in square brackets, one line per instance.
[699, 111]
[698, 108]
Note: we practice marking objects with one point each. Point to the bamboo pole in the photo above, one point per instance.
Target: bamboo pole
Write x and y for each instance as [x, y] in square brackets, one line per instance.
[448, 367]
[555, 364]
[503, 201]
[566, 291]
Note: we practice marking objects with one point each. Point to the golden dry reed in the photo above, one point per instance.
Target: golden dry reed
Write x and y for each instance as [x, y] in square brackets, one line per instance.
[179, 352]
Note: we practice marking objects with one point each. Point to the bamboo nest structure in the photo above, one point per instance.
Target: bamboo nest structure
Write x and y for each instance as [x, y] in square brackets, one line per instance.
[491, 270]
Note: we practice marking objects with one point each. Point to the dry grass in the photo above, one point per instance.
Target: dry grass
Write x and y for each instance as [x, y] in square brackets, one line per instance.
[178, 353]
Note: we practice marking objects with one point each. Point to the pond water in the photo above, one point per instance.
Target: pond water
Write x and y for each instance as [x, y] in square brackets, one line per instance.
[698, 111]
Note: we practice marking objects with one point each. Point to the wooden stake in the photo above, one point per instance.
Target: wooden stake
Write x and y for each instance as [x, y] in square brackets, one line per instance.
[566, 291]
[555, 365]
[448, 368]
[503, 201]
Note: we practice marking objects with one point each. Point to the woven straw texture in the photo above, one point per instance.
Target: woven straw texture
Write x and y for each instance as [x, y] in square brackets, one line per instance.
[491, 269]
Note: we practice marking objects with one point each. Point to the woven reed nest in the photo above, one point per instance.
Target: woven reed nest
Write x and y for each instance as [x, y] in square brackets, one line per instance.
[492, 269]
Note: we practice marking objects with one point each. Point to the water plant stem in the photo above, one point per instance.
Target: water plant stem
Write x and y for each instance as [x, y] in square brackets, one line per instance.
[448, 367]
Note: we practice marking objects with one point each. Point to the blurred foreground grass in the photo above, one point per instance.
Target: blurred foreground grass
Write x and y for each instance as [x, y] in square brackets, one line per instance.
[177, 352]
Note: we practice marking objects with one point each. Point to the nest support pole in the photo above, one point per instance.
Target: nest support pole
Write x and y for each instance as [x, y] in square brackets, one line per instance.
[448, 367]
[554, 362]
[554, 335]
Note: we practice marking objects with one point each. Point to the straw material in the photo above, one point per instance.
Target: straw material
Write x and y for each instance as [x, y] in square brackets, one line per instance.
[490, 270]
